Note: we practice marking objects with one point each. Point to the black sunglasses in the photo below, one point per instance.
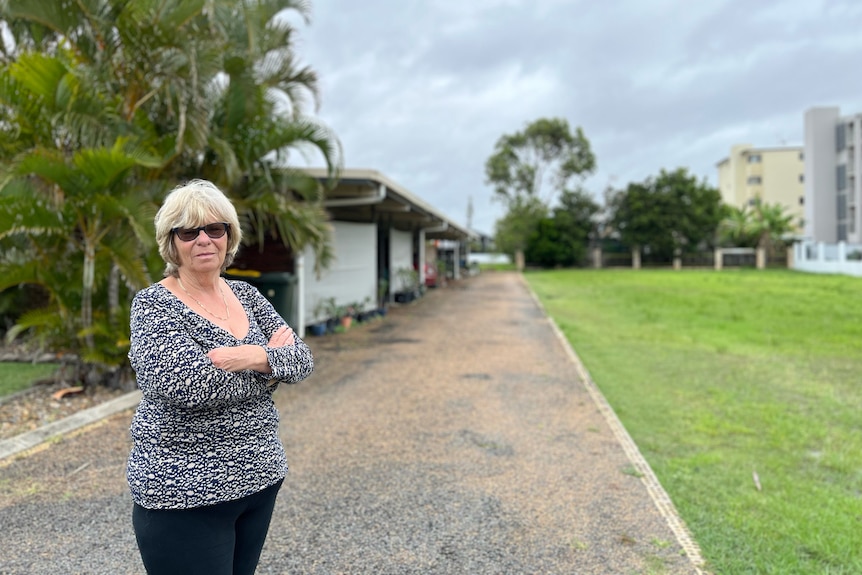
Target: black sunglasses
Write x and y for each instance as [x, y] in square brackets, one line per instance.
[214, 231]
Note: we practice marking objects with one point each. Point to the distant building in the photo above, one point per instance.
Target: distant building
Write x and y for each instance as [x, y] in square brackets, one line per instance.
[775, 175]
[833, 193]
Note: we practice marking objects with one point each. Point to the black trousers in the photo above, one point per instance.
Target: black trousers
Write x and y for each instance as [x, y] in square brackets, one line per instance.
[221, 539]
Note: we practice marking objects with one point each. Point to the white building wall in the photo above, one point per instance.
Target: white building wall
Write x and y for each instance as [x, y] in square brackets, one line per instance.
[400, 257]
[821, 161]
[854, 181]
[352, 277]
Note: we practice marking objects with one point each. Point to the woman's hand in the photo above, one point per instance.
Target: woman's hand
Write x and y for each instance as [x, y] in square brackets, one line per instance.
[242, 357]
[283, 336]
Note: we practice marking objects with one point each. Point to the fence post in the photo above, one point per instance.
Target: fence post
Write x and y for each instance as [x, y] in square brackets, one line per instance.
[677, 260]
[791, 257]
[597, 257]
[719, 259]
[636, 258]
[519, 260]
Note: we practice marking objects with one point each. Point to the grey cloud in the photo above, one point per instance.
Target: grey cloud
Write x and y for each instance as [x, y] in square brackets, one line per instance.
[422, 90]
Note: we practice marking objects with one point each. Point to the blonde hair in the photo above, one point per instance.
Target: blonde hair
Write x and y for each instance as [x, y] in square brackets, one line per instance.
[196, 203]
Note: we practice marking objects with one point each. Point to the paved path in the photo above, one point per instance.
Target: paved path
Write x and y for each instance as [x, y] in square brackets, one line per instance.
[457, 436]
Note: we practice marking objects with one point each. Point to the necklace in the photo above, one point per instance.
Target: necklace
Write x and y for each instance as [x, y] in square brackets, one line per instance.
[206, 309]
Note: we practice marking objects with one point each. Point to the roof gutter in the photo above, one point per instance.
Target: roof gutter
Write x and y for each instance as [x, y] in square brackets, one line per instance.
[363, 201]
[437, 229]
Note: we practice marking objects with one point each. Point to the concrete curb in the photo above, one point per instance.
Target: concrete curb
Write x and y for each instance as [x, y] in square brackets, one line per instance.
[29, 440]
[657, 493]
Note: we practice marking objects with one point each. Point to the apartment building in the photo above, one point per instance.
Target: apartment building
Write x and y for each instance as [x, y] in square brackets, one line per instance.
[774, 175]
[833, 192]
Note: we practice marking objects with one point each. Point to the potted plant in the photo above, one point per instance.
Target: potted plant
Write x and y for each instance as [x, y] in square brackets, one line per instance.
[382, 293]
[408, 279]
[322, 316]
[345, 316]
[367, 310]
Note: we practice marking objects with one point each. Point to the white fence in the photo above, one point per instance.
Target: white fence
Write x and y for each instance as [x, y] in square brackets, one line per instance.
[822, 258]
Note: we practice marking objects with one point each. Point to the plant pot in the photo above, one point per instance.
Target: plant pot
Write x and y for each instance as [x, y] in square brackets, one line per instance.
[317, 329]
[404, 297]
[346, 321]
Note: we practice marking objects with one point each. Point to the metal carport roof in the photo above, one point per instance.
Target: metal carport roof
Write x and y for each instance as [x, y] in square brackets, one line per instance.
[362, 195]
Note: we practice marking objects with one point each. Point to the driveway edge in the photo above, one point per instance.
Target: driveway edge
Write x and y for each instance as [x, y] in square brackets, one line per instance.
[30, 439]
[659, 496]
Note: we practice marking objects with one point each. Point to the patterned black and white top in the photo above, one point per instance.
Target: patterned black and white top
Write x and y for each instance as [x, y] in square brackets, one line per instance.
[202, 435]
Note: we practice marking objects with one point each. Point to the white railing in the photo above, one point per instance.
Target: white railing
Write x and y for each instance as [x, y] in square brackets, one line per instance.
[823, 258]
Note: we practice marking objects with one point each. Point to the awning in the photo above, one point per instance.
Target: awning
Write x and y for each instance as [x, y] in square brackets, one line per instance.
[366, 196]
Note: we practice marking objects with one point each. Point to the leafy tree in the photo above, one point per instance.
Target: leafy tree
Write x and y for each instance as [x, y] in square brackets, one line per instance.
[105, 104]
[535, 164]
[545, 245]
[545, 154]
[70, 212]
[770, 223]
[563, 239]
[736, 228]
[762, 226]
[576, 217]
[513, 229]
[672, 212]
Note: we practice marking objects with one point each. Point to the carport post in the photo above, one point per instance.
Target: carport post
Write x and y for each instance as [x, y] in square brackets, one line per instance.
[457, 253]
[422, 246]
[299, 265]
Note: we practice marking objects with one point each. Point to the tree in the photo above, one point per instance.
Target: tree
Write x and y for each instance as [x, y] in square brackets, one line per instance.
[545, 154]
[69, 207]
[576, 217]
[762, 226]
[563, 239]
[668, 214]
[770, 223]
[535, 165]
[513, 229]
[104, 105]
[736, 228]
[259, 121]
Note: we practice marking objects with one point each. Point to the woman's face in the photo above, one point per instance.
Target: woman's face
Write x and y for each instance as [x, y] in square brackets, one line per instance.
[204, 253]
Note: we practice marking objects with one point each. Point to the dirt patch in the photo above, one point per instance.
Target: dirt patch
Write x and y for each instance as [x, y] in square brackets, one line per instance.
[38, 406]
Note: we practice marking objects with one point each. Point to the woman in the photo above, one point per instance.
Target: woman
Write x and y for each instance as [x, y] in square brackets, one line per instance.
[206, 461]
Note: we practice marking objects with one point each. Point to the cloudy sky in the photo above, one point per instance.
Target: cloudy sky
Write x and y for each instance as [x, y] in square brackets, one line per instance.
[422, 90]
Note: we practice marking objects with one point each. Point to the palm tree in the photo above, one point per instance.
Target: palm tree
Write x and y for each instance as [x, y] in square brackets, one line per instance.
[106, 103]
[736, 227]
[67, 202]
[770, 223]
[260, 120]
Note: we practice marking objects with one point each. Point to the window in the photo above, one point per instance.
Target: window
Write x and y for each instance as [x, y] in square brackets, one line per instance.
[841, 177]
[851, 222]
[801, 178]
[754, 159]
[754, 180]
[840, 136]
[842, 207]
[801, 156]
[801, 200]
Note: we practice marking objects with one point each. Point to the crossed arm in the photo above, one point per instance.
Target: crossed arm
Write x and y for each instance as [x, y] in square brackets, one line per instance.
[170, 363]
[253, 357]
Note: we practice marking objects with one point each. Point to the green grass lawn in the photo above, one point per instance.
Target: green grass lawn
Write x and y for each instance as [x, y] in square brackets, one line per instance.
[19, 376]
[720, 375]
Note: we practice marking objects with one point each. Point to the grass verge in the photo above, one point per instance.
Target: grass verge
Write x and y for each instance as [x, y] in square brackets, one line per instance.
[16, 377]
[741, 388]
